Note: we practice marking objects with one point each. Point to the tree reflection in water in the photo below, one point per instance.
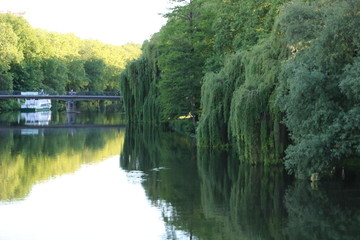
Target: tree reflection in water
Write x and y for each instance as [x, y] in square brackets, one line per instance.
[28, 159]
[246, 201]
[329, 211]
[208, 195]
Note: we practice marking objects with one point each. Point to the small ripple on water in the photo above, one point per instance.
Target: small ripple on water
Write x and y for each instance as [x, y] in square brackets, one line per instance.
[159, 169]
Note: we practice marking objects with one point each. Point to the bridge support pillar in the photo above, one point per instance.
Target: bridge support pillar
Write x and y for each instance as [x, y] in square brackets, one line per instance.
[70, 106]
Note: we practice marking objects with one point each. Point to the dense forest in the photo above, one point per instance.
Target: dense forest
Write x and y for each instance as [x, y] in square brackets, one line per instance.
[275, 80]
[33, 59]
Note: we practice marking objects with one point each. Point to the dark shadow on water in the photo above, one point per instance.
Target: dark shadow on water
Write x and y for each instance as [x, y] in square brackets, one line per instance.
[329, 210]
[206, 194]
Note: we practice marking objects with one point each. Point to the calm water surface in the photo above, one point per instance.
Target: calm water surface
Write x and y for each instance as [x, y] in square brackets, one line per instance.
[85, 176]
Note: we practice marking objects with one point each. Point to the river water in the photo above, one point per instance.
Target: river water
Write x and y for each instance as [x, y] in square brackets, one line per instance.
[87, 176]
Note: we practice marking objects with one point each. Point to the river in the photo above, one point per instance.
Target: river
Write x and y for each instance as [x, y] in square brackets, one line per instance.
[87, 176]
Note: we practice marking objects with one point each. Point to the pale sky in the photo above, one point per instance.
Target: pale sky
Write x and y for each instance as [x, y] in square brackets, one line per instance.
[110, 21]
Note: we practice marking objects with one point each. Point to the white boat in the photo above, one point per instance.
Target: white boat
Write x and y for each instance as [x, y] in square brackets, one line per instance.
[33, 105]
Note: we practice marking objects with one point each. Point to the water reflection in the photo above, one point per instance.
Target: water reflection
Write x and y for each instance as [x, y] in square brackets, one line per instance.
[197, 193]
[36, 118]
[28, 156]
[245, 202]
[171, 182]
[96, 202]
[330, 211]
[70, 118]
[208, 195]
[69, 186]
[48, 118]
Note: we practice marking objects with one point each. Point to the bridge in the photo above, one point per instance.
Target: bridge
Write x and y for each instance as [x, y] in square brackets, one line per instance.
[61, 95]
[68, 96]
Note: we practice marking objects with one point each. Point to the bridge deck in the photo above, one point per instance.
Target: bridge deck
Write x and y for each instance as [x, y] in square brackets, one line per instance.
[62, 97]
[63, 126]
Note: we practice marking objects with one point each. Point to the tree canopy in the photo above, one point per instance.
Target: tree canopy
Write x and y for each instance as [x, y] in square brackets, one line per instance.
[258, 77]
[34, 59]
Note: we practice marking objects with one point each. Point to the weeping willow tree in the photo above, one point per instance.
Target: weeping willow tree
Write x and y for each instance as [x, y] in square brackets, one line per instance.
[239, 103]
[216, 94]
[271, 73]
[139, 86]
[305, 76]
[254, 123]
[238, 99]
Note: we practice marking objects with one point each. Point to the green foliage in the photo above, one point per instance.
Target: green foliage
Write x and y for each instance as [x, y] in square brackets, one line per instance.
[238, 104]
[194, 64]
[28, 75]
[76, 74]
[58, 45]
[164, 84]
[8, 54]
[318, 85]
[27, 44]
[257, 73]
[5, 81]
[8, 105]
[254, 118]
[8, 46]
[321, 109]
[94, 69]
[34, 59]
[241, 24]
[184, 47]
[55, 74]
[216, 94]
[139, 85]
[350, 84]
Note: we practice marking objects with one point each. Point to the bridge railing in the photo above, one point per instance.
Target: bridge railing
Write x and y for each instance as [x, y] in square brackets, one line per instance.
[61, 93]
